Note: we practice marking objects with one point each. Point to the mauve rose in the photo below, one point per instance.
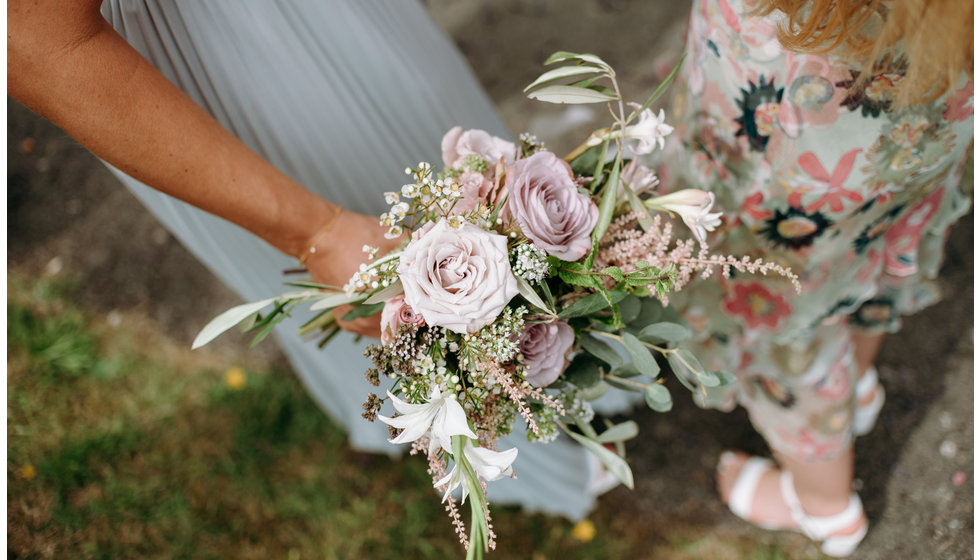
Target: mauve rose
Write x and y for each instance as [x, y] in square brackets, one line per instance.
[475, 188]
[546, 203]
[457, 144]
[395, 314]
[544, 346]
[459, 279]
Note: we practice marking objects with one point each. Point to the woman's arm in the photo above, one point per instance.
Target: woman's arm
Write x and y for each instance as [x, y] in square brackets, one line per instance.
[66, 63]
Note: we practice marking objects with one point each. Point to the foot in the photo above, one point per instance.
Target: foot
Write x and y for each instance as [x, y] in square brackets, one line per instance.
[764, 503]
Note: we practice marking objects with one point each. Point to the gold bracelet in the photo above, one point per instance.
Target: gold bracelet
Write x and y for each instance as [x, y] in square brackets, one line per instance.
[316, 238]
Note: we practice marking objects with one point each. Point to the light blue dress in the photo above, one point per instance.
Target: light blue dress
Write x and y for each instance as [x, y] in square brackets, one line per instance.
[341, 96]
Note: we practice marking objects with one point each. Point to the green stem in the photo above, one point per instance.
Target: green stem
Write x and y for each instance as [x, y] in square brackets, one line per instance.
[626, 381]
[615, 336]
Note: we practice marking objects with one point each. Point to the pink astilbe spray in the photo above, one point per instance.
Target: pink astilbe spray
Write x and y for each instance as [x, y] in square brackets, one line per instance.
[519, 393]
[625, 243]
[437, 470]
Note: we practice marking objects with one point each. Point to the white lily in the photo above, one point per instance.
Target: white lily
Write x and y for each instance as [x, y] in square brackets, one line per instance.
[649, 132]
[639, 177]
[693, 206]
[442, 415]
[488, 464]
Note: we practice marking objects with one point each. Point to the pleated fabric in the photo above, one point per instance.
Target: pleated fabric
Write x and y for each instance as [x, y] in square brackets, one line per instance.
[341, 96]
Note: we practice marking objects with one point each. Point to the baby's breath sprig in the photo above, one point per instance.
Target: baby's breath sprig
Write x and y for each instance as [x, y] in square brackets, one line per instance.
[430, 197]
[530, 144]
[497, 341]
[530, 262]
[376, 273]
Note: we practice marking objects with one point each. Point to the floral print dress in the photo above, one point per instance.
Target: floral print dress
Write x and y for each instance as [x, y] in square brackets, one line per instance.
[853, 195]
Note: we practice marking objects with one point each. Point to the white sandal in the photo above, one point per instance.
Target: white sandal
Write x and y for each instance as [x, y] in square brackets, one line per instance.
[820, 529]
[865, 415]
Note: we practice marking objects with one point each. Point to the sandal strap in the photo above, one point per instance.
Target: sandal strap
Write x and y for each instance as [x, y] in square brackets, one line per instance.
[867, 383]
[816, 527]
[743, 491]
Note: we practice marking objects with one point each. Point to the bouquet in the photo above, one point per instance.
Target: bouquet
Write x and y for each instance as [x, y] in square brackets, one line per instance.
[527, 286]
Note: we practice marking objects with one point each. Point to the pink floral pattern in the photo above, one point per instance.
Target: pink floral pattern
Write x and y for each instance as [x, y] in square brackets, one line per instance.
[817, 171]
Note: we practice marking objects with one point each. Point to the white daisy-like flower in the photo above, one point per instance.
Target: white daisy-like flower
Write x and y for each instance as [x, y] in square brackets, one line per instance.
[442, 415]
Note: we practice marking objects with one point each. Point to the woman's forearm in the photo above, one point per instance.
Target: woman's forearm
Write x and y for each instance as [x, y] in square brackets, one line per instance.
[68, 65]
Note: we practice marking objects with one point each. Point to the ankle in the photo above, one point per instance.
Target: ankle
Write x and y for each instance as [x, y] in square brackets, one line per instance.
[821, 504]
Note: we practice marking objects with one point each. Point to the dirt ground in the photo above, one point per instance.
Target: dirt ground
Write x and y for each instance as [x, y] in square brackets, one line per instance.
[67, 215]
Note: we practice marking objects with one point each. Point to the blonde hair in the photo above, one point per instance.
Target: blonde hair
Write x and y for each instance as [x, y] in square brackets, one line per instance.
[929, 41]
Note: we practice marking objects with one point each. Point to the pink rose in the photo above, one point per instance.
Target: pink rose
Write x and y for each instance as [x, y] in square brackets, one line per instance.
[546, 203]
[459, 279]
[395, 314]
[544, 346]
[457, 144]
[475, 188]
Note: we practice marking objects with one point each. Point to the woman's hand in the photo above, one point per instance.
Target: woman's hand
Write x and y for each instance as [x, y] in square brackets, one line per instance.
[339, 254]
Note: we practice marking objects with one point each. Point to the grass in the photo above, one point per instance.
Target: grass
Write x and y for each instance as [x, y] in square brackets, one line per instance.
[122, 444]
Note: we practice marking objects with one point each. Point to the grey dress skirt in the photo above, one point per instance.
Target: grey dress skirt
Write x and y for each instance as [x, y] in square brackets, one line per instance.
[341, 96]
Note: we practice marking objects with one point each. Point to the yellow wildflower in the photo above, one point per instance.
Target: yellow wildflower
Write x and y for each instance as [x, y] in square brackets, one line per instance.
[235, 378]
[584, 531]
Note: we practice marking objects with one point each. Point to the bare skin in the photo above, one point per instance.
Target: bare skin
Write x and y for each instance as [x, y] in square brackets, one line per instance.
[823, 487]
[66, 63]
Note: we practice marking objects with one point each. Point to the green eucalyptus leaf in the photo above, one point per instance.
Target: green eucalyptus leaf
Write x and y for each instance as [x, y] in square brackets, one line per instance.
[668, 332]
[658, 397]
[363, 310]
[600, 349]
[594, 392]
[227, 320]
[562, 56]
[262, 334]
[584, 371]
[570, 95]
[636, 205]
[587, 82]
[310, 285]
[691, 360]
[710, 397]
[392, 290]
[562, 72]
[685, 364]
[590, 304]
[532, 297]
[662, 87]
[621, 384]
[616, 465]
[651, 311]
[629, 308]
[626, 371]
[725, 378]
[641, 356]
[619, 432]
[608, 203]
[585, 164]
[259, 320]
[330, 301]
